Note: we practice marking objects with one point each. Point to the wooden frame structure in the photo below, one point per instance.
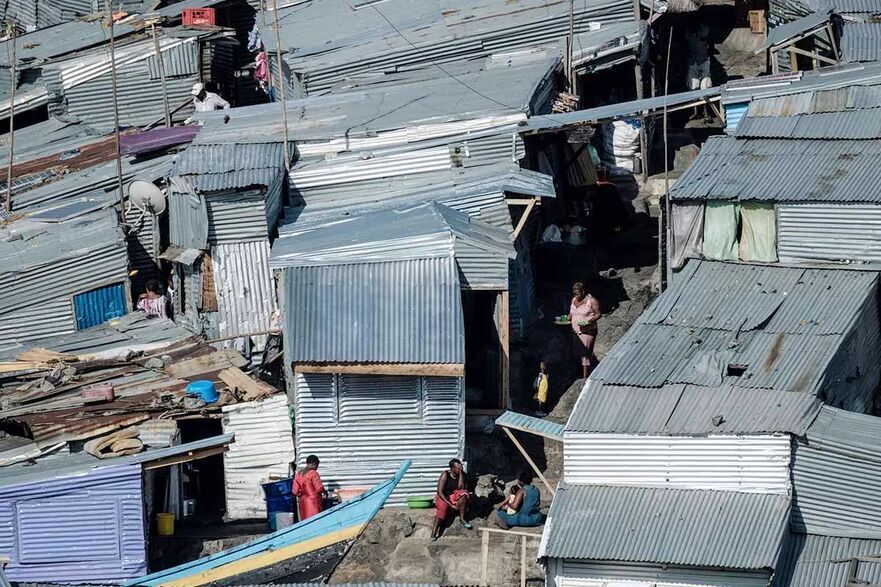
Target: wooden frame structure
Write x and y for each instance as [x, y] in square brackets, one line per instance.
[794, 52]
[484, 551]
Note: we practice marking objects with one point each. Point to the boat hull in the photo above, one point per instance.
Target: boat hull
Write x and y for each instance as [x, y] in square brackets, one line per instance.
[305, 552]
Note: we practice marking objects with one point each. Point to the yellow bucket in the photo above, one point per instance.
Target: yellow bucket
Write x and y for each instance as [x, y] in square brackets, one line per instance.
[165, 524]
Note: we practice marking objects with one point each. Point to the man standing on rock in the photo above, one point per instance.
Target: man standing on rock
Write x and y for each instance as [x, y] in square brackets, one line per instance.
[451, 496]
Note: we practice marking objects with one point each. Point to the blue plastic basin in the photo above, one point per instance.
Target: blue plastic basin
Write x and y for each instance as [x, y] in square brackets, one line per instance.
[204, 389]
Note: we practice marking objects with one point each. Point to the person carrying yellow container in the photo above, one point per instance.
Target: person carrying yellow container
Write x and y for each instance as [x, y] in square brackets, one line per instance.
[541, 385]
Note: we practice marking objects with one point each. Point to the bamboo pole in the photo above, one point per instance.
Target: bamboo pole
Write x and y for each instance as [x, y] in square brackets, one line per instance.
[161, 65]
[11, 128]
[281, 85]
[116, 114]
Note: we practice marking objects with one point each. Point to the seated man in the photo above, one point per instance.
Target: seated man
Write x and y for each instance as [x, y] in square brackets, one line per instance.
[451, 496]
[526, 505]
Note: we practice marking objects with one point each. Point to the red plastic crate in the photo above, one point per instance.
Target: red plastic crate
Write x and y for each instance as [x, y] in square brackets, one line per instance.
[198, 16]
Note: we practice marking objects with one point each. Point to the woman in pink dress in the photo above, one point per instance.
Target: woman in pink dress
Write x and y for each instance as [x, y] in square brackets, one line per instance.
[584, 313]
[153, 303]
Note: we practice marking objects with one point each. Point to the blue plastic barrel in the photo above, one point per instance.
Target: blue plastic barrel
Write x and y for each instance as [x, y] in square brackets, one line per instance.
[278, 499]
[204, 389]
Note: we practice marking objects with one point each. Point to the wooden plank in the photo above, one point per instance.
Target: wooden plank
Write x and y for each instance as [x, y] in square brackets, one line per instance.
[813, 55]
[484, 557]
[536, 535]
[249, 388]
[523, 201]
[529, 460]
[418, 369]
[522, 561]
[193, 455]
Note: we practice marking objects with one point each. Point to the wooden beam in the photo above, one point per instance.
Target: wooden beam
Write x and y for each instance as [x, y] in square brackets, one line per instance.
[523, 201]
[193, 455]
[831, 35]
[514, 531]
[420, 369]
[504, 326]
[523, 561]
[522, 222]
[813, 55]
[530, 461]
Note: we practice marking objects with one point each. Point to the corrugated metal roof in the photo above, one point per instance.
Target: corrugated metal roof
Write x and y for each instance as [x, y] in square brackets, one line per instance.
[841, 76]
[810, 561]
[616, 111]
[130, 331]
[406, 311]
[782, 170]
[680, 409]
[724, 529]
[782, 329]
[428, 230]
[81, 463]
[855, 124]
[532, 425]
[373, 38]
[860, 41]
[785, 32]
[432, 104]
[855, 435]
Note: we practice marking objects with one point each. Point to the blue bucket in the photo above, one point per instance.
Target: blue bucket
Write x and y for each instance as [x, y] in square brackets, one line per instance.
[278, 499]
[204, 389]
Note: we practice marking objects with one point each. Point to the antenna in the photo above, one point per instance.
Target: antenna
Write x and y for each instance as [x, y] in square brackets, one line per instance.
[146, 197]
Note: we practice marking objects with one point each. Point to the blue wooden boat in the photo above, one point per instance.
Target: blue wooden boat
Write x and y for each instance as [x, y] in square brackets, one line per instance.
[305, 552]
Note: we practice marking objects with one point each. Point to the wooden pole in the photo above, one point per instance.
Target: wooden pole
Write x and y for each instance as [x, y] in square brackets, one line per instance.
[504, 299]
[116, 114]
[665, 218]
[281, 85]
[523, 561]
[529, 460]
[570, 44]
[161, 65]
[484, 558]
[11, 128]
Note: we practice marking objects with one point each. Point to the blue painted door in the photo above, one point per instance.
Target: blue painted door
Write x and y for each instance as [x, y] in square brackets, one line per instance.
[99, 305]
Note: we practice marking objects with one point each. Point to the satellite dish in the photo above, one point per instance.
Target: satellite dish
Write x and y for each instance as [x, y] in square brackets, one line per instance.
[146, 197]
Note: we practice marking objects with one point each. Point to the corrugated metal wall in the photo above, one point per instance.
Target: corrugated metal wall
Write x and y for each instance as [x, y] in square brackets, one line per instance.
[836, 494]
[743, 463]
[572, 573]
[143, 240]
[140, 100]
[83, 529]
[187, 215]
[262, 452]
[363, 426]
[733, 114]
[479, 269]
[234, 217]
[829, 232]
[45, 291]
[179, 61]
[49, 318]
[100, 305]
[245, 288]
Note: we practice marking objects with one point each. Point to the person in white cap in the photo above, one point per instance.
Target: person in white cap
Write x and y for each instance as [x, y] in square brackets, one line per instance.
[206, 101]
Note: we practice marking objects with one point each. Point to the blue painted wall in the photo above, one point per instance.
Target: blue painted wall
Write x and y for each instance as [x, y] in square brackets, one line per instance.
[733, 114]
[99, 305]
[76, 529]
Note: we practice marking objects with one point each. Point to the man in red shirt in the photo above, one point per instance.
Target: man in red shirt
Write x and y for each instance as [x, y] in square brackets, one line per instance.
[309, 489]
